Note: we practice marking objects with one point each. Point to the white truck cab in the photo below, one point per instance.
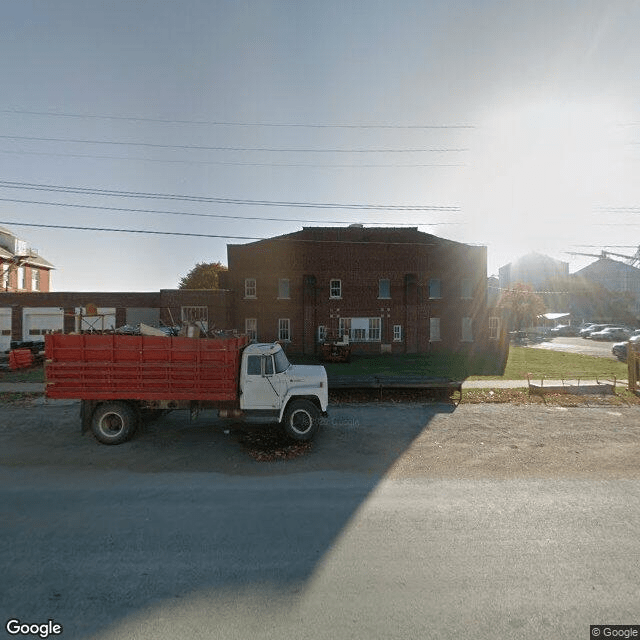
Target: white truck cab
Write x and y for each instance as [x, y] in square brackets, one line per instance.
[296, 395]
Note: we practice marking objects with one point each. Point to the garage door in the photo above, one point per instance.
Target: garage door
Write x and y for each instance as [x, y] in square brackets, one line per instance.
[5, 328]
[38, 321]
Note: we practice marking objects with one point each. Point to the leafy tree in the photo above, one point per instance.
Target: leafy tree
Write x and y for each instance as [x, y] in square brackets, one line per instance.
[205, 275]
[522, 304]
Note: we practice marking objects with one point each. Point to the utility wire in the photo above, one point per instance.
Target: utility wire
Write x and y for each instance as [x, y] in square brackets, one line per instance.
[212, 215]
[226, 123]
[312, 165]
[197, 147]
[208, 199]
[210, 235]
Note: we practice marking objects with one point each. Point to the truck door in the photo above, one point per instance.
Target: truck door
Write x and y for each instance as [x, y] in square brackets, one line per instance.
[262, 388]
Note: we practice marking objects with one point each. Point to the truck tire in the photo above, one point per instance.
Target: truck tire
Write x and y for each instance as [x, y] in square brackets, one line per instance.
[114, 422]
[301, 420]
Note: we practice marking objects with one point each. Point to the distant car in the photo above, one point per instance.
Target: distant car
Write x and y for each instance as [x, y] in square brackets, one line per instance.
[564, 330]
[611, 334]
[619, 349]
[587, 331]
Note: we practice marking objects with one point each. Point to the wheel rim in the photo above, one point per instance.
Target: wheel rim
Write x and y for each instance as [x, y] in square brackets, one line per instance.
[301, 422]
[112, 424]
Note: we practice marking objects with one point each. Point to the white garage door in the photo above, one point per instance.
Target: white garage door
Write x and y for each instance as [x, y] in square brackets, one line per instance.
[38, 321]
[5, 329]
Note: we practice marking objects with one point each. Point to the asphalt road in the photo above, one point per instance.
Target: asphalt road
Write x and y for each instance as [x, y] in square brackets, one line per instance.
[408, 521]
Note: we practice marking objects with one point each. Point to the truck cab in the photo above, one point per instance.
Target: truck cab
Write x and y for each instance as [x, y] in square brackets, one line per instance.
[295, 395]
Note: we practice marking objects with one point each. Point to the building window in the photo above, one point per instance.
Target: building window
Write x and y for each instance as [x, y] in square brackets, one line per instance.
[434, 288]
[361, 329]
[284, 329]
[384, 288]
[494, 328]
[434, 329]
[21, 278]
[251, 328]
[283, 289]
[467, 333]
[5, 276]
[35, 279]
[397, 333]
[250, 288]
[466, 289]
[335, 288]
[195, 315]
[344, 327]
[322, 333]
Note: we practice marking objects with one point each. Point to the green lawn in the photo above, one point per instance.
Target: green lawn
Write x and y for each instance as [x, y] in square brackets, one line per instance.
[522, 360]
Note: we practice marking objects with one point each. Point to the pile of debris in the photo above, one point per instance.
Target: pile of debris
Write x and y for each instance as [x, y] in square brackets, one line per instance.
[269, 445]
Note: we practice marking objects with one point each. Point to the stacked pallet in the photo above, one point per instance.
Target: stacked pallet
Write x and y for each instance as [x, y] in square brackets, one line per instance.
[20, 359]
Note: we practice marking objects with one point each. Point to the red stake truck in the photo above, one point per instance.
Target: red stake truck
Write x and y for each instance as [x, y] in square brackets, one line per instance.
[119, 378]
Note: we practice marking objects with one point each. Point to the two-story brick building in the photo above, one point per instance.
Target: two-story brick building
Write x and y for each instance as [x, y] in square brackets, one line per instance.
[388, 289]
[21, 268]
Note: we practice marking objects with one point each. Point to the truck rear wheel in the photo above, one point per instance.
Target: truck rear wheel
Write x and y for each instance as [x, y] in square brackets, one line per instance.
[114, 422]
[301, 420]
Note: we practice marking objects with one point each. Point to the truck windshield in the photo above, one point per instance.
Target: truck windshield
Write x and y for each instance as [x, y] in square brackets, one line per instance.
[282, 364]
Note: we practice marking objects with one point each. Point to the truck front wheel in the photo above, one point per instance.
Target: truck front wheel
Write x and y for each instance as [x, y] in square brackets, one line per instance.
[114, 422]
[301, 420]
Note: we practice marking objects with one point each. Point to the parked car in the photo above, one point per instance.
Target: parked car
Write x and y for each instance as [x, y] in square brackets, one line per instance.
[564, 330]
[611, 334]
[586, 332]
[619, 349]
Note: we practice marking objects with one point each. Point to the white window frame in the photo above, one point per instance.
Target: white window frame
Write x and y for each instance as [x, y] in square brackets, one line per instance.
[35, 279]
[250, 288]
[5, 275]
[322, 333]
[397, 333]
[335, 289]
[251, 329]
[467, 329]
[466, 289]
[284, 289]
[21, 278]
[494, 328]
[195, 314]
[384, 289]
[344, 327]
[284, 329]
[434, 330]
[361, 329]
[433, 284]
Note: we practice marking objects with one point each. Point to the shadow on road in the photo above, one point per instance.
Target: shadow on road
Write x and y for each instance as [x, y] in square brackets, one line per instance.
[96, 534]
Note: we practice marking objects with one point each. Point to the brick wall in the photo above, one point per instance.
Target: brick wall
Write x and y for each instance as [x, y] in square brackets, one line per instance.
[359, 258]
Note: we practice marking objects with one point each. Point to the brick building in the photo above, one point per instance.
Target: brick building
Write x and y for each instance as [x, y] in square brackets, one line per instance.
[389, 289]
[21, 268]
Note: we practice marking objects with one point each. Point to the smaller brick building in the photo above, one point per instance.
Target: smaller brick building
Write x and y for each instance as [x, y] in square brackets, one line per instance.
[21, 268]
[389, 289]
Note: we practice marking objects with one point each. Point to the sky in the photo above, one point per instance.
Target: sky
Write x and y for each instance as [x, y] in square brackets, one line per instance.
[514, 125]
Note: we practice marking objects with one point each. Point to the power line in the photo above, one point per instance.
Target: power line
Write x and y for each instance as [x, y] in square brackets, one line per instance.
[211, 215]
[209, 199]
[240, 164]
[228, 123]
[210, 235]
[196, 147]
